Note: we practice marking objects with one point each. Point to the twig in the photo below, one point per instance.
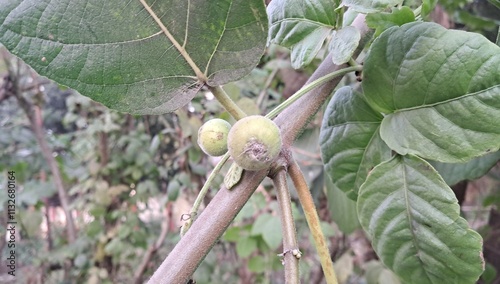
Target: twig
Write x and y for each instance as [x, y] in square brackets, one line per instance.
[310, 86]
[33, 112]
[152, 249]
[312, 219]
[263, 93]
[291, 261]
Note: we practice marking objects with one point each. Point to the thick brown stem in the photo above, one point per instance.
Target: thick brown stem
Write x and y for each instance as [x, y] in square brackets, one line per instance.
[183, 260]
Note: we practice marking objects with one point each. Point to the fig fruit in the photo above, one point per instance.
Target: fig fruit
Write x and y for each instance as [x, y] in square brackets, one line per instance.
[254, 142]
[212, 137]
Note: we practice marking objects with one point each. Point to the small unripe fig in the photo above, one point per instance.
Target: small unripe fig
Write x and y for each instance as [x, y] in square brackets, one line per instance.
[212, 137]
[254, 142]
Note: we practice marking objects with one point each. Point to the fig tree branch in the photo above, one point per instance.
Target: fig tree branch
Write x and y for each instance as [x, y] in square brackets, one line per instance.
[183, 260]
[192, 248]
[202, 194]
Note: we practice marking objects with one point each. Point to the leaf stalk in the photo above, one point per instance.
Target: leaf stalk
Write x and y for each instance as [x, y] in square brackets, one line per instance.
[312, 219]
[227, 102]
[310, 86]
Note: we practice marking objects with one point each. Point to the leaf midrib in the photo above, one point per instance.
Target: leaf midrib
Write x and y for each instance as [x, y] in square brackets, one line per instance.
[409, 214]
[200, 75]
[446, 101]
[220, 38]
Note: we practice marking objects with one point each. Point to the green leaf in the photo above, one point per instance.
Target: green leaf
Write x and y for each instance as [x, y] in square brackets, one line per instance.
[376, 273]
[269, 227]
[342, 209]
[490, 274]
[344, 267]
[232, 234]
[370, 6]
[31, 220]
[496, 3]
[116, 53]
[475, 168]
[301, 26]
[383, 21]
[233, 176]
[427, 7]
[343, 44]
[245, 246]
[413, 219]
[440, 90]
[350, 141]
[256, 265]
[35, 191]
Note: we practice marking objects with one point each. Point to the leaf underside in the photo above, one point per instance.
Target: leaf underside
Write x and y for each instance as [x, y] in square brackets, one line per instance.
[115, 53]
[344, 43]
[413, 218]
[301, 26]
[440, 90]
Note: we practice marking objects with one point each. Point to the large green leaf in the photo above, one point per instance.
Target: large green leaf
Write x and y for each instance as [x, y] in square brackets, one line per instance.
[473, 169]
[439, 88]
[301, 26]
[116, 53]
[350, 141]
[413, 219]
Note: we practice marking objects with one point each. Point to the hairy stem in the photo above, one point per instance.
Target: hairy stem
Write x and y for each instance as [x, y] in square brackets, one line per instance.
[312, 219]
[288, 227]
[227, 102]
[353, 62]
[308, 87]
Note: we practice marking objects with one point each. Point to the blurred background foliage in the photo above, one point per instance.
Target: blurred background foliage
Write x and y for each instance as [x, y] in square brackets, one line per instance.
[131, 180]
